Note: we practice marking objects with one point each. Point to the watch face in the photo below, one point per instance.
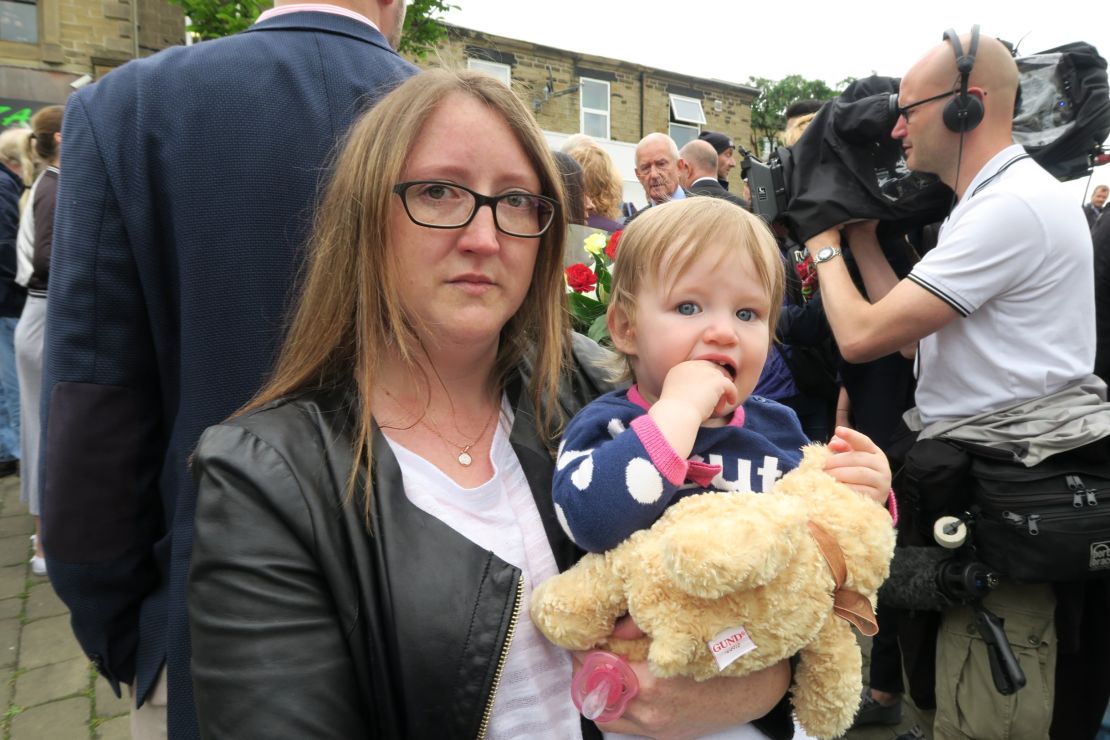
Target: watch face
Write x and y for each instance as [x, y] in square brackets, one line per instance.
[825, 254]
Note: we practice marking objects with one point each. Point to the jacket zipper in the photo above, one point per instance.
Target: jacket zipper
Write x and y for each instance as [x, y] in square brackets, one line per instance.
[482, 728]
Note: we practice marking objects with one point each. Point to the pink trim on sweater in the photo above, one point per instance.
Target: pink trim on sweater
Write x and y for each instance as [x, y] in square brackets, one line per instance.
[662, 455]
[635, 397]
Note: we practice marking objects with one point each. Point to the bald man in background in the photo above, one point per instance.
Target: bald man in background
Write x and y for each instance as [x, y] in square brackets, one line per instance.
[1001, 311]
[697, 167]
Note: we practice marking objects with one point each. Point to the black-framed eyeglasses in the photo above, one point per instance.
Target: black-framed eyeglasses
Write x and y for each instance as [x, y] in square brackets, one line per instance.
[903, 111]
[445, 205]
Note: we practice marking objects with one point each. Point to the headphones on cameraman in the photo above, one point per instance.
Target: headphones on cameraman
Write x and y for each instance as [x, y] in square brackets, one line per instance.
[963, 112]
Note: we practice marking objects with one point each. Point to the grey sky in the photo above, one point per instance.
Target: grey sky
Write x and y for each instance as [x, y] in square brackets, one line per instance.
[731, 41]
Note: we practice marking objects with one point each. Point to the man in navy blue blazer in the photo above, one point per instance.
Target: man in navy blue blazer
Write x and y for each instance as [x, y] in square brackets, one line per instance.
[184, 204]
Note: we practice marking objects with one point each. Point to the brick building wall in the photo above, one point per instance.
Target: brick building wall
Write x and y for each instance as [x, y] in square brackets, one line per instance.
[639, 96]
[78, 37]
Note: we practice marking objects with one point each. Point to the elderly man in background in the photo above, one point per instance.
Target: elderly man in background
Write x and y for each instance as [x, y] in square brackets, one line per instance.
[657, 169]
[697, 165]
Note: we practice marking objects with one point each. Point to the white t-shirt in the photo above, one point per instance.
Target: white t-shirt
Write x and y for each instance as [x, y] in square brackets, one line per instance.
[1014, 259]
[533, 697]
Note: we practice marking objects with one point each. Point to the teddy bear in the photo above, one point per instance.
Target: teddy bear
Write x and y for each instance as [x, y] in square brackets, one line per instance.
[728, 583]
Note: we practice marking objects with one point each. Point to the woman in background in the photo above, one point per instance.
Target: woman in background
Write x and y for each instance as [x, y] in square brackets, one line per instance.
[602, 181]
[46, 142]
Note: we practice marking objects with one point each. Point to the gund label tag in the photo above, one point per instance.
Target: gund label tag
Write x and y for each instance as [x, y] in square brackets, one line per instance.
[729, 644]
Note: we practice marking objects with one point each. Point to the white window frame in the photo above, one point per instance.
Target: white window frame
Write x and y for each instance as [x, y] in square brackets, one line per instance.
[496, 70]
[677, 100]
[583, 110]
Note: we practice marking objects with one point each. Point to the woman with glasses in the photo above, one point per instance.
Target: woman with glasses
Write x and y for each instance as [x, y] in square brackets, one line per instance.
[369, 528]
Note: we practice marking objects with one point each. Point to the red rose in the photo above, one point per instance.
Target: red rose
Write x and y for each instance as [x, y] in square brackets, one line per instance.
[580, 278]
[611, 247]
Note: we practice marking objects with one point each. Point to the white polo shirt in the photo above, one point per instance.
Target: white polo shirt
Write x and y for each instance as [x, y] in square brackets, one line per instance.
[1014, 259]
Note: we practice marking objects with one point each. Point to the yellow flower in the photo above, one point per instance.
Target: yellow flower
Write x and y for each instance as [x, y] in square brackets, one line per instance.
[595, 244]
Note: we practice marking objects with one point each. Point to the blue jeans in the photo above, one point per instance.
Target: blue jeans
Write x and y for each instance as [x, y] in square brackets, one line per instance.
[9, 392]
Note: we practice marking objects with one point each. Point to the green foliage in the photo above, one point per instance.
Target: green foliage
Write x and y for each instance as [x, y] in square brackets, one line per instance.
[769, 109]
[423, 31]
[212, 19]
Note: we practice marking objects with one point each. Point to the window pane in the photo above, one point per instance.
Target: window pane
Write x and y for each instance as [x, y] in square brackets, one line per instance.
[494, 69]
[687, 110]
[595, 95]
[19, 22]
[595, 125]
[683, 134]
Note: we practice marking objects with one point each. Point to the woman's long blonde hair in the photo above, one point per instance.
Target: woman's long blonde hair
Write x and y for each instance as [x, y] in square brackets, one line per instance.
[350, 314]
[599, 173]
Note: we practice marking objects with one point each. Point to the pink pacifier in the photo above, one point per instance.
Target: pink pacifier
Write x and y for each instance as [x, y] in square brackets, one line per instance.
[603, 686]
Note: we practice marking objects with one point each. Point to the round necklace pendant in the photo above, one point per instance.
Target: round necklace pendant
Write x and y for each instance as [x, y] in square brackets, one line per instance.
[465, 459]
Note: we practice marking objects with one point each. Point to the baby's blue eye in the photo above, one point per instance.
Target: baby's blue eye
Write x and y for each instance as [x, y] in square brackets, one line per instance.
[687, 308]
[745, 314]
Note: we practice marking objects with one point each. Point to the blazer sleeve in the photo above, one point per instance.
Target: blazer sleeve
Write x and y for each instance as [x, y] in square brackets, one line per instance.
[103, 436]
[270, 658]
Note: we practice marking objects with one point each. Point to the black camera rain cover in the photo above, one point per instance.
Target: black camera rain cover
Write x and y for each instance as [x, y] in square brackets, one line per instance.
[1064, 116]
[846, 167]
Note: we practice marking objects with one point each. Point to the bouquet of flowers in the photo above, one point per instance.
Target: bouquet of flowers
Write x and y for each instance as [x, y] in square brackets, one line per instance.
[589, 287]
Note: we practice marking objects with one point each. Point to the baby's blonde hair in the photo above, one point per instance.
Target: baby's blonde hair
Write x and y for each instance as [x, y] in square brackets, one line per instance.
[672, 236]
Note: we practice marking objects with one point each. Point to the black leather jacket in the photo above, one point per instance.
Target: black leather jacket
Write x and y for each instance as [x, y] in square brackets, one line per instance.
[304, 625]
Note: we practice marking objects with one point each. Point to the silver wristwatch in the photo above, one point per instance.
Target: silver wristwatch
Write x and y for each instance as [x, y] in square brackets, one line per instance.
[824, 254]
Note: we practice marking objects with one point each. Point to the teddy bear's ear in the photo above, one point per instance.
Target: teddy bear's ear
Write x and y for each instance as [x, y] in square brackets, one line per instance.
[725, 542]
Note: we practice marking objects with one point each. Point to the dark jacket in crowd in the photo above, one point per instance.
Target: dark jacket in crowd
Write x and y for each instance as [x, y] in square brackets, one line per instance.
[12, 294]
[190, 179]
[43, 207]
[713, 188]
[1101, 238]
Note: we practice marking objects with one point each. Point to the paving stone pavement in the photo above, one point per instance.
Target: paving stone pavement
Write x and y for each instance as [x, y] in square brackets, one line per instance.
[51, 691]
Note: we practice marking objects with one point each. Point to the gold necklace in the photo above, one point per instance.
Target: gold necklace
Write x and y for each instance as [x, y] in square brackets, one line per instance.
[464, 457]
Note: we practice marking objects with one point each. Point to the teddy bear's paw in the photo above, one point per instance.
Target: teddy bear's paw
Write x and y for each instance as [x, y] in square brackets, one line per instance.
[828, 682]
[574, 624]
[633, 650]
[578, 608]
[674, 655]
[823, 721]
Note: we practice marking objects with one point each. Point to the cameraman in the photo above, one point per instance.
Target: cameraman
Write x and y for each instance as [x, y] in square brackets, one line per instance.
[1001, 311]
